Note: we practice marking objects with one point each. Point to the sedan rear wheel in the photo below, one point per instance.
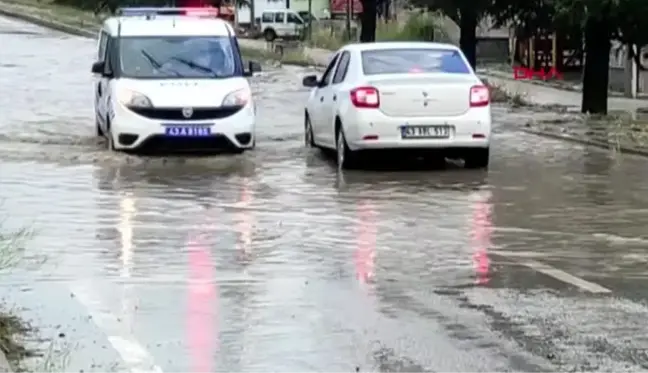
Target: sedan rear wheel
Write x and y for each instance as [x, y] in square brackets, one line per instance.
[346, 158]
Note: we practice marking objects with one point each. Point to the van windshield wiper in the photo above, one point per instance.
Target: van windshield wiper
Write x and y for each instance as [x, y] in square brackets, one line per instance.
[155, 63]
[194, 65]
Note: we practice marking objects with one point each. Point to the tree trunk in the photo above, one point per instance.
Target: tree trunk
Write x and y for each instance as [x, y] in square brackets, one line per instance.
[368, 21]
[468, 34]
[597, 66]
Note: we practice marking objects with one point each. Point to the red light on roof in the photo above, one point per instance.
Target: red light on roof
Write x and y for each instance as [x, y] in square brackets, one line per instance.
[202, 12]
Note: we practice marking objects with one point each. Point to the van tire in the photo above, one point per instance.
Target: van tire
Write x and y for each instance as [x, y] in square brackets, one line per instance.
[98, 128]
[269, 34]
[110, 141]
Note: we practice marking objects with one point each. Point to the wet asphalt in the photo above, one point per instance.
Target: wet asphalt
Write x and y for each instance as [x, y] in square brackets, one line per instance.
[271, 261]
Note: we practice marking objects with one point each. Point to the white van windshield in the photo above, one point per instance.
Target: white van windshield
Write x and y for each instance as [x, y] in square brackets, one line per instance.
[176, 57]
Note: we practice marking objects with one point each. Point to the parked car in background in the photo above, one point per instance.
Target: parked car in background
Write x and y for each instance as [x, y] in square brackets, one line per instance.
[281, 23]
[307, 17]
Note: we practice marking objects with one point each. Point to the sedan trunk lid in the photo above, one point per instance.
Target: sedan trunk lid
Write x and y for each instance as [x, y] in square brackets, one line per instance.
[424, 95]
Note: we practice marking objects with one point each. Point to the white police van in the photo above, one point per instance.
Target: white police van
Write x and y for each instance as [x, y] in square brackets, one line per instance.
[172, 79]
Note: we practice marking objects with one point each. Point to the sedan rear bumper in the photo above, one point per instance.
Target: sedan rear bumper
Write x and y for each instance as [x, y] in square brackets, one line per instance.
[371, 129]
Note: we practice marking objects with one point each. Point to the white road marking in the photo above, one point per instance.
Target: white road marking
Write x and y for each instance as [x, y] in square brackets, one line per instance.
[524, 258]
[565, 277]
[134, 354]
[118, 330]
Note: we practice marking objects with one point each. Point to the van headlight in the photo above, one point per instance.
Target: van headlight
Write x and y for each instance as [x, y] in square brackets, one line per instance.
[237, 98]
[133, 98]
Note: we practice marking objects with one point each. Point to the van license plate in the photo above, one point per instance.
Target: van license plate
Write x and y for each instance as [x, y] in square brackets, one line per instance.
[187, 131]
[425, 132]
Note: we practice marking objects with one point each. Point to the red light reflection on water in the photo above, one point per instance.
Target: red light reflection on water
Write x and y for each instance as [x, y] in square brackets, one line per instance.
[482, 230]
[202, 305]
[203, 296]
[365, 253]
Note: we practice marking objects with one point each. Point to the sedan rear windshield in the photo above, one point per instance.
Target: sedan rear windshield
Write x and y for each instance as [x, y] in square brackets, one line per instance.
[404, 61]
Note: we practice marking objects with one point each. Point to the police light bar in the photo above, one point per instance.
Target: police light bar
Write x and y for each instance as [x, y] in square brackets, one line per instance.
[202, 12]
[197, 12]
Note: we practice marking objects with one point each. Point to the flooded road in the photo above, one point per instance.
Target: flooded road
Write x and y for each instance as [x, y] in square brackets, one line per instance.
[271, 261]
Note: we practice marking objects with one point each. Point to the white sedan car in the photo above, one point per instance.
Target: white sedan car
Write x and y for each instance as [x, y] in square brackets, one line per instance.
[414, 96]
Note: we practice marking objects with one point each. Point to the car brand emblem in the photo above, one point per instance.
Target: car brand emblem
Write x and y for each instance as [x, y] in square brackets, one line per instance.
[426, 100]
[187, 112]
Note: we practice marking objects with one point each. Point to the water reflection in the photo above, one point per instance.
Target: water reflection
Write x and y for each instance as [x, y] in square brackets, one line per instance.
[202, 300]
[413, 182]
[203, 308]
[481, 232]
[244, 221]
[127, 213]
[595, 164]
[198, 174]
[365, 254]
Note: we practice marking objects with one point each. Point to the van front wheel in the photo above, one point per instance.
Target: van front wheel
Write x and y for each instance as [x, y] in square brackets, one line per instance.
[269, 34]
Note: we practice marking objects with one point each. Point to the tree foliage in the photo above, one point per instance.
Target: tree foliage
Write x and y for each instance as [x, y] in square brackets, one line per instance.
[600, 21]
[466, 14]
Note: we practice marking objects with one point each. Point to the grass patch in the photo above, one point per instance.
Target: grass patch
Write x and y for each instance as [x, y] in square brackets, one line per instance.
[11, 326]
[289, 57]
[61, 13]
[424, 26]
[85, 19]
[619, 129]
[500, 95]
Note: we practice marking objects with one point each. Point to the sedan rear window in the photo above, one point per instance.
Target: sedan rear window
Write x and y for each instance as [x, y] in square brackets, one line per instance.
[404, 61]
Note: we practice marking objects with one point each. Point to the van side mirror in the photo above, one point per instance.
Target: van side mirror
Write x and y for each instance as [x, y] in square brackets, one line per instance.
[98, 67]
[253, 67]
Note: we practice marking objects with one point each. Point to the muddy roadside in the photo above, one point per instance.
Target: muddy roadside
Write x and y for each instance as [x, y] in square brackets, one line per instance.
[13, 329]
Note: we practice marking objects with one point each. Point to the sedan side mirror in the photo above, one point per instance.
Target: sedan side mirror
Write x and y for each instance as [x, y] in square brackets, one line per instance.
[253, 67]
[98, 67]
[310, 81]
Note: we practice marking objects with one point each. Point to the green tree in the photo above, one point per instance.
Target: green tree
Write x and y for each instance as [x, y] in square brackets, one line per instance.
[598, 19]
[632, 27]
[466, 14]
[368, 21]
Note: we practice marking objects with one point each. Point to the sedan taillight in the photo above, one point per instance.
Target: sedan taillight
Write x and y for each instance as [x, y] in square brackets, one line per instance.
[479, 96]
[365, 97]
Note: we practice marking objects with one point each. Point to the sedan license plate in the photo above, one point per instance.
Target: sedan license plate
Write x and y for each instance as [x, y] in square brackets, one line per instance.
[187, 131]
[425, 132]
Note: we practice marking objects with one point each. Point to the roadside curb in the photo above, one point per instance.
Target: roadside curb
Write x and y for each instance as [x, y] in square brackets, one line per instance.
[582, 141]
[48, 23]
[499, 75]
[502, 75]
